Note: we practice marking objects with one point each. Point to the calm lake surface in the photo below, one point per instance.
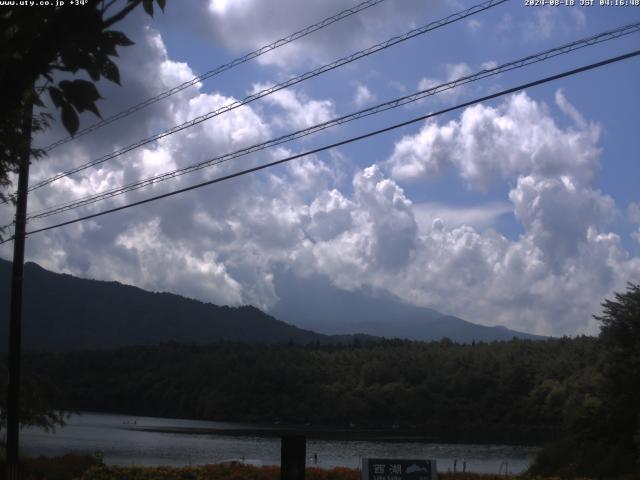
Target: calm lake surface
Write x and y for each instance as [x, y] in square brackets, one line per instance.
[112, 434]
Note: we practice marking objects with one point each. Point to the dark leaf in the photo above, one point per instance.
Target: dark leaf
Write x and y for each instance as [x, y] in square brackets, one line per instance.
[161, 4]
[110, 71]
[93, 70]
[148, 6]
[56, 96]
[82, 94]
[70, 119]
[72, 58]
[118, 38]
[107, 45]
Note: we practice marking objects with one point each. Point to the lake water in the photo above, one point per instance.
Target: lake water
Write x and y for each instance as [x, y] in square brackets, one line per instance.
[111, 434]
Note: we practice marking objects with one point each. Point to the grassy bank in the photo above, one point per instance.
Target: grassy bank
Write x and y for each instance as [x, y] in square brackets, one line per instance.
[244, 472]
[75, 467]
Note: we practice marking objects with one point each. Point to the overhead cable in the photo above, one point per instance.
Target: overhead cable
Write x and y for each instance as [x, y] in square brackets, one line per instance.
[218, 70]
[343, 142]
[268, 91]
[395, 103]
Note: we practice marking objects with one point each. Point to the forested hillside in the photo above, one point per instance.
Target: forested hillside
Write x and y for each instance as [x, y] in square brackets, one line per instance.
[508, 391]
[62, 312]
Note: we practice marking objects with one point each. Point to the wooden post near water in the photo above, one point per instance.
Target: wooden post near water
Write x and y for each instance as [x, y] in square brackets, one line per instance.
[293, 455]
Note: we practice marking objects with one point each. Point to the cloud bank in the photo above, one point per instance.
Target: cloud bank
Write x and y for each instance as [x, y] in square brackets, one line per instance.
[224, 243]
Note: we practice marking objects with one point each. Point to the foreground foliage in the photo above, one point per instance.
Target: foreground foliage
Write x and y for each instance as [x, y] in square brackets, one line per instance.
[74, 467]
[601, 423]
[244, 472]
[41, 51]
[67, 467]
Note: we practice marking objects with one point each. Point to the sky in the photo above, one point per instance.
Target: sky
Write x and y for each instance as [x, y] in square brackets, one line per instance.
[522, 211]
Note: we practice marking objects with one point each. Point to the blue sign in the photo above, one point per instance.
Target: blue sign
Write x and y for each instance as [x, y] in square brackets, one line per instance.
[398, 469]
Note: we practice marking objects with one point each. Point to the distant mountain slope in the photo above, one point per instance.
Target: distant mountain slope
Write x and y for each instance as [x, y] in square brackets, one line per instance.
[62, 312]
[314, 303]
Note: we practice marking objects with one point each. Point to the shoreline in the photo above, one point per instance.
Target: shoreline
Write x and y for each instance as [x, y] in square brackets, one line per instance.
[314, 433]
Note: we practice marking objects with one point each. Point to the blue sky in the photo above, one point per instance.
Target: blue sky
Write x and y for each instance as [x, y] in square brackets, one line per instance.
[522, 211]
[507, 32]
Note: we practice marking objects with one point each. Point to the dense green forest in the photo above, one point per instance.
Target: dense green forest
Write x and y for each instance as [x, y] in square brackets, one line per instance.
[518, 387]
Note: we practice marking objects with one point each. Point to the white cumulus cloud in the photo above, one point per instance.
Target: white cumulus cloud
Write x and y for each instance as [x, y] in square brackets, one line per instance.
[223, 243]
[363, 95]
[250, 24]
[488, 144]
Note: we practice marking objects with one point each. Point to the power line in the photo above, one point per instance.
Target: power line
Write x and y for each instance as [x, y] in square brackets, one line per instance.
[522, 62]
[292, 81]
[344, 142]
[216, 71]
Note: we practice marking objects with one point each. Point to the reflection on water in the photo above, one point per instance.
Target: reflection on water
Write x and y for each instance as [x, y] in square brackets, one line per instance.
[91, 432]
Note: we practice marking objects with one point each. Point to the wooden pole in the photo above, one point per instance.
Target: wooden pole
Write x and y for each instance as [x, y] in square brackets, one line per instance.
[15, 324]
[293, 455]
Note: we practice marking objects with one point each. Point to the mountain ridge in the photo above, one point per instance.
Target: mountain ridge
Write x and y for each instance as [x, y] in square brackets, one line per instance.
[62, 312]
[376, 312]
[73, 313]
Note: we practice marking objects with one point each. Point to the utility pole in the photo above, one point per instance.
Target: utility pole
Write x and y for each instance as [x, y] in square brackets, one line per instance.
[15, 325]
[293, 457]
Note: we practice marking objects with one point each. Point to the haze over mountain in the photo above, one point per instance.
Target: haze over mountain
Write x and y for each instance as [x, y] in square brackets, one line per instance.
[63, 312]
[314, 303]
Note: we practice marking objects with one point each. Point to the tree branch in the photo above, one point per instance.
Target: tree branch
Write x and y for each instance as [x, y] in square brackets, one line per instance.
[107, 6]
[121, 14]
